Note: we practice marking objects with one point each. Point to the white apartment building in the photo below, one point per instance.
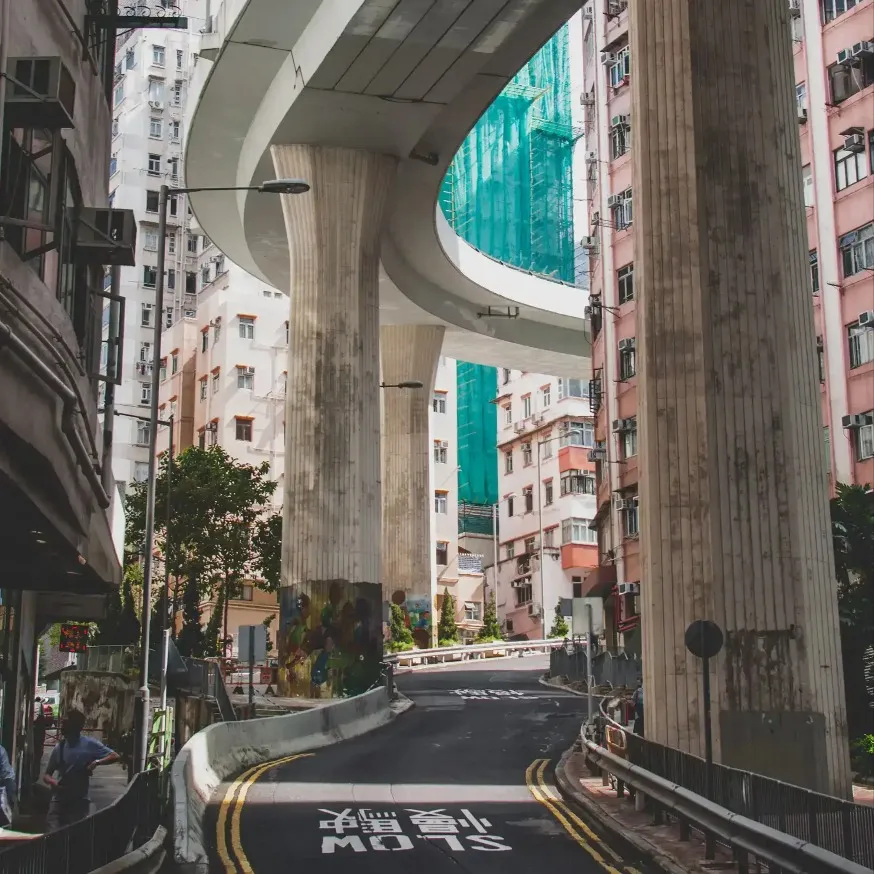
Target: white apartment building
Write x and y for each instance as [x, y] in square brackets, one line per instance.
[453, 569]
[547, 483]
[149, 101]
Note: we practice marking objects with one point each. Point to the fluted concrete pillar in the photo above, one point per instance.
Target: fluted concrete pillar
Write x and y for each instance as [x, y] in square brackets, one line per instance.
[330, 604]
[408, 352]
[733, 501]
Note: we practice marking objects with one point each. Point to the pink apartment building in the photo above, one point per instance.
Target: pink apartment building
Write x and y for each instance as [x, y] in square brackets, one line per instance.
[833, 47]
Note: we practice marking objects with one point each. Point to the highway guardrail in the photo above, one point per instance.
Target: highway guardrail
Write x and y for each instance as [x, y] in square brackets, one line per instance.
[463, 652]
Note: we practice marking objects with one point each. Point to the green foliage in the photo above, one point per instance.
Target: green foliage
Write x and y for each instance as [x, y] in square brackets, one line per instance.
[559, 624]
[852, 513]
[267, 621]
[401, 636]
[491, 629]
[447, 629]
[212, 643]
[121, 627]
[862, 755]
[268, 550]
[190, 640]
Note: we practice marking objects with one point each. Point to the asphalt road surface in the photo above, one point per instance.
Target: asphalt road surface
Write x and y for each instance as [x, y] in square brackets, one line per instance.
[460, 784]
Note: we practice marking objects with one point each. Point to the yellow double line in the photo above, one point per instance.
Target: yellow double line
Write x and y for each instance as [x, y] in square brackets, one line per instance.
[572, 824]
[228, 842]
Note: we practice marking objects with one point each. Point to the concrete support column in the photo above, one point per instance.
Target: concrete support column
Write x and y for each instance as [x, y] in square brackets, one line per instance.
[408, 352]
[330, 635]
[733, 501]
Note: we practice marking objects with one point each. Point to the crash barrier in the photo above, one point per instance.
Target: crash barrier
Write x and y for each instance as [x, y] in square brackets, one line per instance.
[225, 749]
[107, 835]
[609, 669]
[760, 819]
[463, 652]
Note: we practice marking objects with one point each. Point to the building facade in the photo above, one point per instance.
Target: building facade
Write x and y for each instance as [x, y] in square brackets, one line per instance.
[547, 498]
[834, 71]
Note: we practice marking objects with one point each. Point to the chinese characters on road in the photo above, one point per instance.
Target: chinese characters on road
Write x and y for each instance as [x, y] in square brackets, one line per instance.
[489, 694]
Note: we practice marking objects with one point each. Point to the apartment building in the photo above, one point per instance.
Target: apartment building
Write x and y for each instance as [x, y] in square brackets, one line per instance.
[547, 498]
[833, 47]
[149, 97]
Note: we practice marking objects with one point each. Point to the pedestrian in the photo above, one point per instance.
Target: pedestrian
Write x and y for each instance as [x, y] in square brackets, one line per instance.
[637, 701]
[74, 760]
[8, 787]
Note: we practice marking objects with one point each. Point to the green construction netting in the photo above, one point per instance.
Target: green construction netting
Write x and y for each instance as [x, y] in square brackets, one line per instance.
[509, 193]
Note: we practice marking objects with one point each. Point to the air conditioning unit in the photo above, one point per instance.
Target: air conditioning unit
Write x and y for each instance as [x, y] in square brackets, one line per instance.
[618, 426]
[587, 99]
[40, 92]
[620, 121]
[859, 420]
[626, 345]
[156, 104]
[588, 14]
[618, 500]
[614, 200]
[98, 224]
[864, 49]
[855, 143]
[802, 115]
[794, 8]
[519, 428]
[190, 314]
[866, 319]
[627, 589]
[597, 455]
[608, 57]
[589, 242]
[144, 368]
[534, 609]
[614, 7]
[591, 157]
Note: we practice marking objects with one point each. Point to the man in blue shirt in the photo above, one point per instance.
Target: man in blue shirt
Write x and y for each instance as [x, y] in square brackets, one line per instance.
[74, 760]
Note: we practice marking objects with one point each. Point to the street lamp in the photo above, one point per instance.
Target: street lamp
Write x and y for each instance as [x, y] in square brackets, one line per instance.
[540, 520]
[273, 186]
[407, 383]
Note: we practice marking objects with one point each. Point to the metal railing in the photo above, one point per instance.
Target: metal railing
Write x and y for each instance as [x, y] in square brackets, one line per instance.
[98, 839]
[834, 824]
[205, 678]
[111, 659]
[439, 654]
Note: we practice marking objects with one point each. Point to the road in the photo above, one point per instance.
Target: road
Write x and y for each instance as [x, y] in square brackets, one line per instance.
[460, 784]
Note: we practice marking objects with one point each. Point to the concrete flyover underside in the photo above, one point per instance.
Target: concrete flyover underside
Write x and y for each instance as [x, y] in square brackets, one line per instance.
[404, 78]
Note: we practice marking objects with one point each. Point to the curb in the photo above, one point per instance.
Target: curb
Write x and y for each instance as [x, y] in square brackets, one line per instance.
[147, 859]
[544, 681]
[638, 845]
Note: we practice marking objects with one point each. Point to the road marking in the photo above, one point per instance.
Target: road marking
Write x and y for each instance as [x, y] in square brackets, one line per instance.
[567, 818]
[234, 859]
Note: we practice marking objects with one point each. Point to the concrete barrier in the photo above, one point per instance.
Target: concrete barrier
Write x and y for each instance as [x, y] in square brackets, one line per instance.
[227, 748]
[147, 859]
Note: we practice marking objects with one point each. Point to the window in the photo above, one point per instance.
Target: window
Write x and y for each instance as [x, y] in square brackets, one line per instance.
[174, 362]
[118, 94]
[115, 127]
[625, 280]
[577, 531]
[158, 55]
[473, 611]
[549, 537]
[130, 59]
[171, 279]
[168, 317]
[546, 447]
[828, 450]
[171, 244]
[801, 97]
[441, 450]
[173, 408]
[203, 388]
[150, 276]
[796, 27]
[620, 139]
[523, 594]
[848, 80]
[861, 342]
[865, 441]
[814, 271]
[204, 340]
[572, 388]
[247, 592]
[528, 498]
[156, 128]
[442, 552]
[145, 352]
[174, 130]
[204, 275]
[145, 393]
[631, 519]
[850, 167]
[247, 328]
[577, 482]
[857, 250]
[216, 381]
[546, 396]
[548, 492]
[191, 244]
[576, 587]
[831, 9]
[113, 165]
[156, 91]
[807, 183]
[511, 549]
[246, 378]
[577, 434]
[141, 471]
[162, 370]
[438, 400]
[526, 454]
[176, 94]
[243, 429]
[621, 68]
[820, 359]
[508, 462]
[216, 330]
[219, 265]
[174, 204]
[626, 358]
[441, 502]
[511, 506]
[508, 415]
[530, 544]
[173, 167]
[628, 441]
[505, 376]
[150, 240]
[622, 210]
[143, 433]
[526, 406]
[509, 624]
[151, 201]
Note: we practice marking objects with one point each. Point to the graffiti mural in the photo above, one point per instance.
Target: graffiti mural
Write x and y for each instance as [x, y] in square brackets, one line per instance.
[417, 616]
[330, 639]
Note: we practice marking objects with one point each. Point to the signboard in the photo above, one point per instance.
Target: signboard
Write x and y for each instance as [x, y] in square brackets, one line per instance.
[74, 638]
[252, 639]
[580, 618]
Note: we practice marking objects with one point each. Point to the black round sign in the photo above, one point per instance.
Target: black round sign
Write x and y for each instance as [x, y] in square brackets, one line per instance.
[704, 638]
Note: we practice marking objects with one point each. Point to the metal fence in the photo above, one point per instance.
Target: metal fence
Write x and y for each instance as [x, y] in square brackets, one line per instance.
[111, 659]
[205, 678]
[101, 838]
[839, 826]
[609, 669]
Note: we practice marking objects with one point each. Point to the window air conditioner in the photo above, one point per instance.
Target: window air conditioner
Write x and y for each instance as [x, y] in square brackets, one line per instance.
[620, 121]
[534, 609]
[591, 157]
[855, 143]
[628, 588]
[618, 500]
[588, 14]
[794, 8]
[618, 426]
[608, 57]
[626, 345]
[862, 49]
[866, 319]
[95, 225]
[589, 242]
[802, 115]
[587, 99]
[614, 200]
[156, 104]
[853, 421]
[597, 455]
[40, 93]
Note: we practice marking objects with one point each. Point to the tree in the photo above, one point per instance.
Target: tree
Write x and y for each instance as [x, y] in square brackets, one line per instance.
[268, 549]
[447, 629]
[190, 640]
[212, 635]
[559, 624]
[401, 636]
[267, 621]
[491, 629]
